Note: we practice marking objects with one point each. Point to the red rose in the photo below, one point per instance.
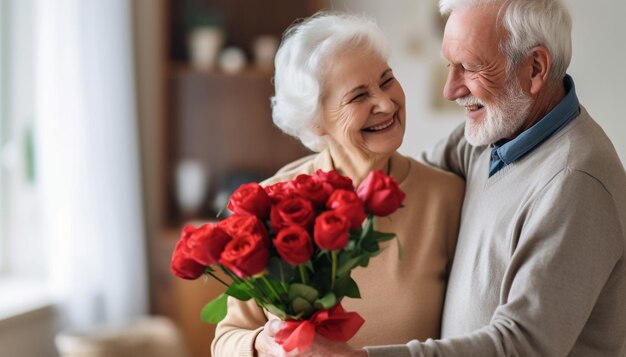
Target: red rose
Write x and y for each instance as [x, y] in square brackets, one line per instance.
[279, 191]
[380, 194]
[292, 211]
[312, 188]
[239, 224]
[252, 199]
[294, 245]
[246, 255]
[183, 266]
[336, 180]
[348, 204]
[206, 243]
[331, 230]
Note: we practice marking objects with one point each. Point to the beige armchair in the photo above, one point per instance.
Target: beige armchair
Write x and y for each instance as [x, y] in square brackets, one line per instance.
[146, 337]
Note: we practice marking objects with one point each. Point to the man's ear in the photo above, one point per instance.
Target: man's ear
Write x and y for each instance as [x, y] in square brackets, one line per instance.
[541, 64]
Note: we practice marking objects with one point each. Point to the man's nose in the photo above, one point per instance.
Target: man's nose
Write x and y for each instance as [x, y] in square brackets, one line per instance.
[455, 85]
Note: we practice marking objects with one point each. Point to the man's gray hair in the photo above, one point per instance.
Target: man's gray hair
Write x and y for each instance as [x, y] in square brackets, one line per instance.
[529, 23]
[301, 62]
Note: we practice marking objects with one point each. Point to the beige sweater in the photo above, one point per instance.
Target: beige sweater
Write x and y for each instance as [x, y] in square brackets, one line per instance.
[401, 299]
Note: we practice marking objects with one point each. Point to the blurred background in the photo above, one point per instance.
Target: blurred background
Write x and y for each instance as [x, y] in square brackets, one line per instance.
[123, 120]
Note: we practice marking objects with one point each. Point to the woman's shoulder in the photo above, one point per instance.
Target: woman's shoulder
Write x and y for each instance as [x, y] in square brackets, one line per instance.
[305, 165]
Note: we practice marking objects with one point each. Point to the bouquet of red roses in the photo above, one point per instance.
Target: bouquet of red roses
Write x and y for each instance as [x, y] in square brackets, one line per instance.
[291, 247]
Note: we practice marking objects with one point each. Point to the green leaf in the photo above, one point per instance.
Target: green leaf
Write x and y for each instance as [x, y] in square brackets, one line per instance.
[365, 260]
[347, 266]
[239, 291]
[304, 291]
[215, 311]
[301, 306]
[369, 224]
[346, 286]
[280, 270]
[276, 311]
[400, 250]
[381, 236]
[321, 279]
[329, 300]
[372, 248]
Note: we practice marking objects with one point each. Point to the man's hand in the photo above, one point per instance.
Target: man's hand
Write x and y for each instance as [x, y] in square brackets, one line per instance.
[266, 346]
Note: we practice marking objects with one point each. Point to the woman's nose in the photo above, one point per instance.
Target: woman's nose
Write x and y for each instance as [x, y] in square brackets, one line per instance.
[455, 85]
[384, 103]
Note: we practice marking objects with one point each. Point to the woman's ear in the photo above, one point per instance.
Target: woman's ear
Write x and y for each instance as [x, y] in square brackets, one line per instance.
[541, 64]
[317, 129]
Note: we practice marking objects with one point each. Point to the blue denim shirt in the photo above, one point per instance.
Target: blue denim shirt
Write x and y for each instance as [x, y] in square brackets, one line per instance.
[506, 153]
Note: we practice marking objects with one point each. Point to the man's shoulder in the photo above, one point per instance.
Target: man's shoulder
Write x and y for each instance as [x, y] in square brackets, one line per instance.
[584, 147]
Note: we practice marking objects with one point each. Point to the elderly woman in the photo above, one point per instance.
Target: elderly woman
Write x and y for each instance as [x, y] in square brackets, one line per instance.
[337, 94]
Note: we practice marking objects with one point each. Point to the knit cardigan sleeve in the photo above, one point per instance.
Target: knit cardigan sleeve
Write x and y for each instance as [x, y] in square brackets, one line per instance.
[235, 335]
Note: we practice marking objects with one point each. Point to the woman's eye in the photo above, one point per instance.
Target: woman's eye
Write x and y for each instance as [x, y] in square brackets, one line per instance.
[358, 96]
[387, 82]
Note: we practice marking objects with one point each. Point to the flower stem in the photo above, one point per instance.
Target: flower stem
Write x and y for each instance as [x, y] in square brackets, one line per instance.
[333, 255]
[282, 277]
[218, 279]
[270, 288]
[302, 274]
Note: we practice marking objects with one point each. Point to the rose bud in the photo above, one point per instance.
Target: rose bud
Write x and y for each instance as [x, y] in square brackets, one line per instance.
[380, 194]
[252, 199]
[331, 231]
[294, 245]
[206, 244]
[239, 224]
[246, 255]
[336, 180]
[312, 188]
[183, 266]
[292, 211]
[279, 191]
[348, 204]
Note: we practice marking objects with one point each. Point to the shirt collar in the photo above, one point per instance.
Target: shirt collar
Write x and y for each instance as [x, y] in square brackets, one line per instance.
[567, 109]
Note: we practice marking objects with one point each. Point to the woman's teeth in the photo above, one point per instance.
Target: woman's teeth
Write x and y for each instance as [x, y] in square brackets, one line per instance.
[381, 126]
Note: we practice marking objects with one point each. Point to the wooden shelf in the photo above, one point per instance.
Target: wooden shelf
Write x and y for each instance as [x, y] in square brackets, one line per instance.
[220, 119]
[183, 71]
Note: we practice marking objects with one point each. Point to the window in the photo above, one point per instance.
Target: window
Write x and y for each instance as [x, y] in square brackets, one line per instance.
[3, 209]
[21, 254]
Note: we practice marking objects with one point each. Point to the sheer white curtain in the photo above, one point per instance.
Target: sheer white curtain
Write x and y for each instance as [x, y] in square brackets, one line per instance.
[88, 151]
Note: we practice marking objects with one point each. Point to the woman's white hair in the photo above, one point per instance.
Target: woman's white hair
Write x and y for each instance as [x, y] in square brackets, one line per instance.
[529, 23]
[305, 53]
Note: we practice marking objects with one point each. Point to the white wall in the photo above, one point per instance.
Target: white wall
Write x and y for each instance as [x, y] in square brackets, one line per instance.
[597, 66]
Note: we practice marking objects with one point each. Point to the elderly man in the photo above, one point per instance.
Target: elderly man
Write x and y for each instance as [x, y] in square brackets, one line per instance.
[539, 268]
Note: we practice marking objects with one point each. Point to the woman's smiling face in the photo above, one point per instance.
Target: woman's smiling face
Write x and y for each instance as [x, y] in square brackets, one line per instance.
[363, 105]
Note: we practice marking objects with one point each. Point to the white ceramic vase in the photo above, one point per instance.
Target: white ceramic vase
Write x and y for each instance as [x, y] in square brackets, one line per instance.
[204, 45]
[191, 186]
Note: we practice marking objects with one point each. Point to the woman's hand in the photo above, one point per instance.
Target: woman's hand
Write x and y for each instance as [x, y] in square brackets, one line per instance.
[266, 346]
[264, 343]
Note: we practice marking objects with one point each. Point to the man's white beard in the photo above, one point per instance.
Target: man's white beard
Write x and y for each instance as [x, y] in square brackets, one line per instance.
[503, 118]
